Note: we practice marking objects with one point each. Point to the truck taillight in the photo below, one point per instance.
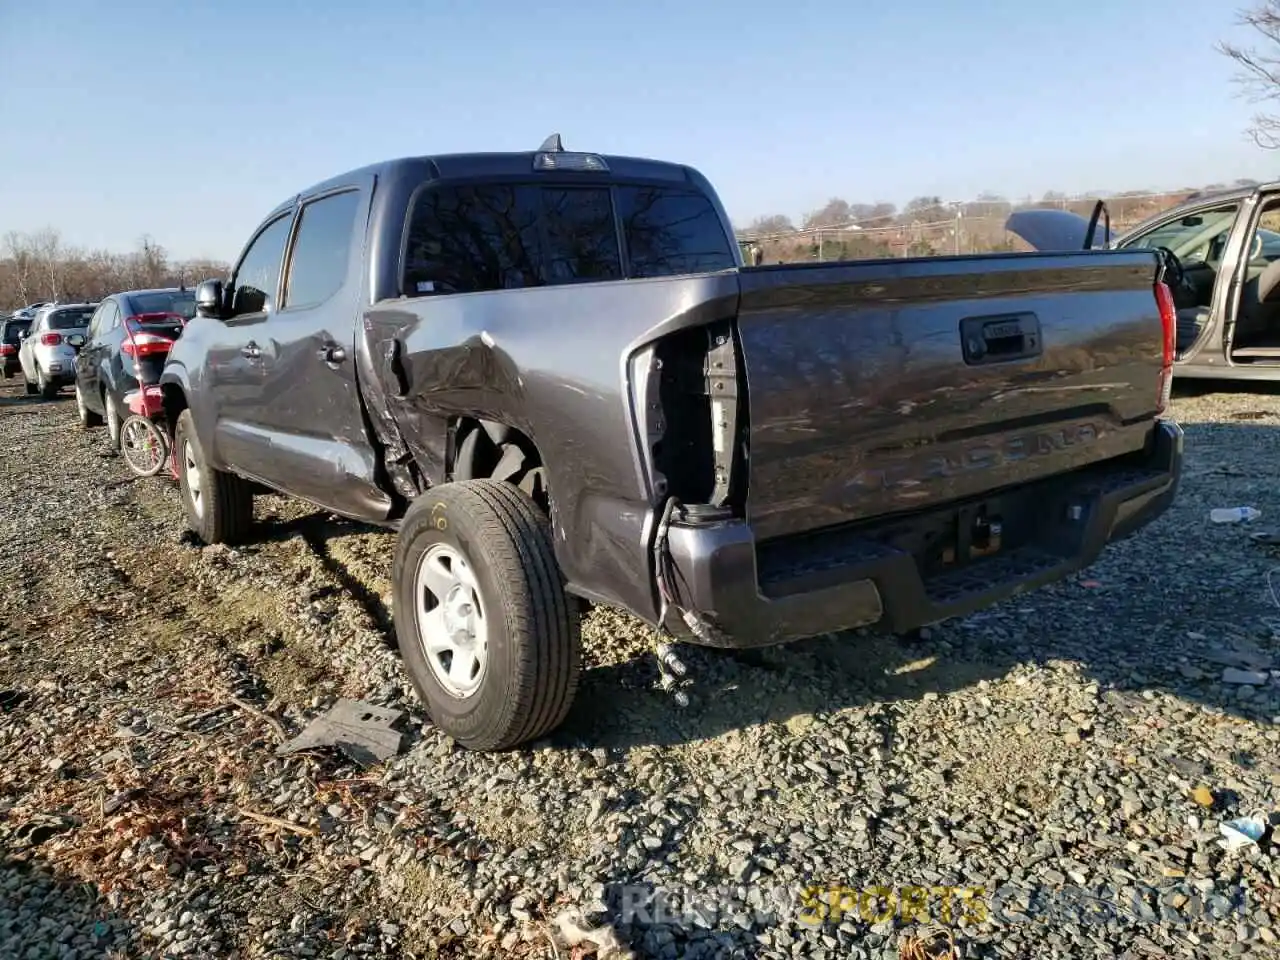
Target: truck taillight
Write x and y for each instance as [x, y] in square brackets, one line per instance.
[50, 339]
[691, 407]
[1169, 331]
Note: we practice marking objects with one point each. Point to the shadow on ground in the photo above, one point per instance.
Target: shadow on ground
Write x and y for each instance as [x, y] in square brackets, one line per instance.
[45, 913]
[25, 400]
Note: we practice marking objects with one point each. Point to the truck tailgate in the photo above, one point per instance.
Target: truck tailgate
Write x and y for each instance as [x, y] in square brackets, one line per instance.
[888, 386]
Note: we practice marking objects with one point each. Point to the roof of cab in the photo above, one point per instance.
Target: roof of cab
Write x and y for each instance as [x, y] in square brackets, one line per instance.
[448, 166]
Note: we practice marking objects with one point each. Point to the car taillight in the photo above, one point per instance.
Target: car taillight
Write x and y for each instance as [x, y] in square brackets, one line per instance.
[50, 339]
[145, 344]
[140, 342]
[1169, 331]
[7, 349]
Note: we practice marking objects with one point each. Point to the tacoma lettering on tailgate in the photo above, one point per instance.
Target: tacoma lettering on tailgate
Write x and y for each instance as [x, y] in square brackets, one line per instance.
[983, 456]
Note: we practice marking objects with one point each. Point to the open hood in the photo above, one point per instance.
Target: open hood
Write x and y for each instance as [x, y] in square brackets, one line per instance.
[1055, 230]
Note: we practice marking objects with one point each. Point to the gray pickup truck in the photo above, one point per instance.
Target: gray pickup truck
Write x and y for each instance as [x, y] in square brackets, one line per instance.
[552, 373]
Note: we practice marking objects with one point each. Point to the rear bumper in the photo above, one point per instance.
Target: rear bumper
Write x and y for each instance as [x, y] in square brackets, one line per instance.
[58, 364]
[755, 595]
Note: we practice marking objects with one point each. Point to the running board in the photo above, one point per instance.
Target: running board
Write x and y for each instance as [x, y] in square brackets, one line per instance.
[1256, 353]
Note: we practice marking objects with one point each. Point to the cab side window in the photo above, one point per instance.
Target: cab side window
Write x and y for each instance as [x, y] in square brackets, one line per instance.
[321, 249]
[257, 278]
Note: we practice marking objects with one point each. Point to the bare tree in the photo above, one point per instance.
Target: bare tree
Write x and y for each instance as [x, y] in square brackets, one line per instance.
[41, 266]
[835, 213]
[776, 223]
[1258, 68]
[17, 248]
[46, 250]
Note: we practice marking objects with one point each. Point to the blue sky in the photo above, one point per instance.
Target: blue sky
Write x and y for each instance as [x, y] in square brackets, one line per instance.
[189, 121]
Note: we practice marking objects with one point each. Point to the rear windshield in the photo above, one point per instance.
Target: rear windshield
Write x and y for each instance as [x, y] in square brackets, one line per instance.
[178, 301]
[465, 239]
[13, 330]
[70, 319]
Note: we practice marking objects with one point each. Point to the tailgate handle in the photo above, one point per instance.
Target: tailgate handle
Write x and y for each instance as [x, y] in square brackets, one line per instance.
[999, 339]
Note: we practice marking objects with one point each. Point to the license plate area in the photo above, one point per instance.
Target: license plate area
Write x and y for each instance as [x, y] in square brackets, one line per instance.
[950, 539]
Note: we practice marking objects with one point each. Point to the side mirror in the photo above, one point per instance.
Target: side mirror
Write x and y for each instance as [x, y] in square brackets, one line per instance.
[76, 341]
[22, 335]
[209, 299]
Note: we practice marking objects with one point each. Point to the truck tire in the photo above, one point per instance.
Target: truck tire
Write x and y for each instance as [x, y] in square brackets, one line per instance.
[218, 505]
[510, 634]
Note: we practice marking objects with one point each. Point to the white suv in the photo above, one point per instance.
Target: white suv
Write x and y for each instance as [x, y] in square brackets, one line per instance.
[48, 352]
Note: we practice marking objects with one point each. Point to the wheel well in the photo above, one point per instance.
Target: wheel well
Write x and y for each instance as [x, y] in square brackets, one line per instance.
[489, 449]
[175, 401]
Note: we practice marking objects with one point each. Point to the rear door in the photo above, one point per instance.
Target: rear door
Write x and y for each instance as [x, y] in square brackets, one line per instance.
[309, 407]
[89, 360]
[233, 372]
[889, 386]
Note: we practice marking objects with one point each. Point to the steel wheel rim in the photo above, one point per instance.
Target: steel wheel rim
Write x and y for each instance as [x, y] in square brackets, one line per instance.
[191, 478]
[452, 626]
[142, 446]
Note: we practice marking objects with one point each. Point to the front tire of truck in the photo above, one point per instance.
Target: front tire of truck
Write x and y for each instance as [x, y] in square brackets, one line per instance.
[488, 636]
[218, 505]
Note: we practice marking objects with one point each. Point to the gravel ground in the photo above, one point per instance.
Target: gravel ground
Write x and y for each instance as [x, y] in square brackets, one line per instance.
[1071, 752]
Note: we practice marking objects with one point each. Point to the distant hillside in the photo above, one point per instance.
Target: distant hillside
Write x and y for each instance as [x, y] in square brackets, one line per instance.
[928, 226]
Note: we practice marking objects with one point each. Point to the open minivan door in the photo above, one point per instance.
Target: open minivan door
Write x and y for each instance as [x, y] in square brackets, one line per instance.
[1061, 230]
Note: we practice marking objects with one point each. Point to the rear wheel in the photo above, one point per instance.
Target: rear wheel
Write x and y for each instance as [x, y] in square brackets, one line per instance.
[490, 640]
[88, 418]
[48, 388]
[113, 421]
[218, 505]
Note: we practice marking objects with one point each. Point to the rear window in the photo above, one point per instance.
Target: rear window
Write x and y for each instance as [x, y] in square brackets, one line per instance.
[182, 302]
[13, 330]
[71, 319]
[671, 232]
[468, 239]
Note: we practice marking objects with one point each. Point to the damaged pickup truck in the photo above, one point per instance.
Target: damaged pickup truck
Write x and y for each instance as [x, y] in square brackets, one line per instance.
[552, 373]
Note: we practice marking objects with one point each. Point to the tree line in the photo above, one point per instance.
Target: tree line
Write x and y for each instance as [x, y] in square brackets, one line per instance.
[838, 212]
[41, 266]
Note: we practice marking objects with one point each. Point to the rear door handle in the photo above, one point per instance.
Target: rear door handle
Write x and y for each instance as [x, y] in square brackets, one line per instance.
[332, 353]
[251, 350]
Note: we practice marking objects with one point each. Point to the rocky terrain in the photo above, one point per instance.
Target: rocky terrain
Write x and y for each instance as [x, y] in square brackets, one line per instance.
[1045, 779]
